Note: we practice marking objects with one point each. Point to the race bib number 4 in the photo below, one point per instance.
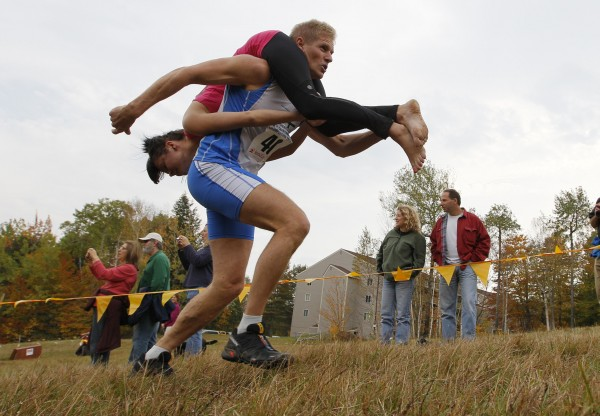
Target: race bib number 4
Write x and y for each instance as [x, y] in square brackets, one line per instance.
[273, 138]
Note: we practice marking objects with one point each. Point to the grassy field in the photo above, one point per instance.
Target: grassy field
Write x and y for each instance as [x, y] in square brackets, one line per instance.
[555, 373]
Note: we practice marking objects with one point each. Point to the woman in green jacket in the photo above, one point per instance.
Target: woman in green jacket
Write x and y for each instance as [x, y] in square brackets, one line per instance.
[403, 247]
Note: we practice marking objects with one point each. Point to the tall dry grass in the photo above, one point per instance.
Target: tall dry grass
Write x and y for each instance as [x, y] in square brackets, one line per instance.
[553, 373]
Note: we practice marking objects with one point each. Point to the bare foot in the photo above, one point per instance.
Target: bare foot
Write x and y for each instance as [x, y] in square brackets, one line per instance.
[416, 154]
[409, 115]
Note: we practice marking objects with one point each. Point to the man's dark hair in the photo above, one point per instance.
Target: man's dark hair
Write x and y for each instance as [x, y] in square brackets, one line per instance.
[155, 147]
[453, 194]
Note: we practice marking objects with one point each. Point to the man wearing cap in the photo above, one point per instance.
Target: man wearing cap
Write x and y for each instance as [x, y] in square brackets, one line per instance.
[155, 278]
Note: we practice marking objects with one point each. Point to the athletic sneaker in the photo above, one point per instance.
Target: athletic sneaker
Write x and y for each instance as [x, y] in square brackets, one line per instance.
[253, 348]
[154, 367]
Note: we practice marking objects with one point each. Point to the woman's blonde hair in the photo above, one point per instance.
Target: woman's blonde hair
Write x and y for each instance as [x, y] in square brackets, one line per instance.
[413, 222]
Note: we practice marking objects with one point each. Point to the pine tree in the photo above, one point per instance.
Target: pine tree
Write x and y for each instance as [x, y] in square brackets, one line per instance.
[280, 306]
[188, 222]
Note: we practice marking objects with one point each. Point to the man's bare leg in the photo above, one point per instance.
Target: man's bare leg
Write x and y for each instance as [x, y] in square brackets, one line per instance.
[270, 209]
[409, 115]
[416, 154]
[230, 259]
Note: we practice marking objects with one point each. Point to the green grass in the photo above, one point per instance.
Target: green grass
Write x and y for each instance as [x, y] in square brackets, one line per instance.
[553, 373]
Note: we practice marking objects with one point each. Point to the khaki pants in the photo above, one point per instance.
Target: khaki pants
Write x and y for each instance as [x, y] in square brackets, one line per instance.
[597, 275]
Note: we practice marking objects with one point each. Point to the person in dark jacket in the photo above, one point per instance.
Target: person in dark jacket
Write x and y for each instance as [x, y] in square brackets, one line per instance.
[198, 264]
[105, 334]
[459, 238]
[402, 248]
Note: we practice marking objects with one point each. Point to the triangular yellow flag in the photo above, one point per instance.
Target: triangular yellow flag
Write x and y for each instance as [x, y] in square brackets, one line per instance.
[168, 295]
[446, 272]
[401, 275]
[482, 271]
[102, 303]
[557, 250]
[245, 291]
[353, 274]
[134, 302]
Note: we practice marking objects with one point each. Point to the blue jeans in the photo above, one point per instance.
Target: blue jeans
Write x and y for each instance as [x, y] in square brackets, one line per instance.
[193, 345]
[396, 298]
[144, 337]
[448, 300]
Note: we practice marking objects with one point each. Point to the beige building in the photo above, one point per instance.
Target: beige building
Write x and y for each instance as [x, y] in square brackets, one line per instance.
[338, 305]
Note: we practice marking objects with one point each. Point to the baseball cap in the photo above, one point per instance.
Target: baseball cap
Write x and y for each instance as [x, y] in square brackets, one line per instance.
[152, 236]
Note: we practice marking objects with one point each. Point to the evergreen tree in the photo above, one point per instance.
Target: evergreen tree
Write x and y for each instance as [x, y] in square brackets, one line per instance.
[501, 223]
[280, 306]
[188, 221]
[570, 220]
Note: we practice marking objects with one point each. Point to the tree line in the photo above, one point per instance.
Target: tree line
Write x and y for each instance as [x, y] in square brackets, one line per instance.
[541, 292]
[35, 264]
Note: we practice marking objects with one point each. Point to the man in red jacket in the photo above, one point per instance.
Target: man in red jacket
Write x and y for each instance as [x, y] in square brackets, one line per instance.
[458, 237]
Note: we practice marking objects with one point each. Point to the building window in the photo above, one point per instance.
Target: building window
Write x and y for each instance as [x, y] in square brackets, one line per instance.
[307, 297]
[305, 312]
[369, 281]
[365, 316]
[368, 298]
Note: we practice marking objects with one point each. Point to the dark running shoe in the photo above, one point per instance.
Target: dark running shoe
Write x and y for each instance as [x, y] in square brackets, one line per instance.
[253, 348]
[154, 367]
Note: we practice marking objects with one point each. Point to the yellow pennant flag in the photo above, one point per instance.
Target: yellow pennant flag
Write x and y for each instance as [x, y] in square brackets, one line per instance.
[482, 271]
[401, 275]
[134, 302]
[168, 295]
[557, 250]
[101, 304]
[446, 272]
[245, 291]
[353, 274]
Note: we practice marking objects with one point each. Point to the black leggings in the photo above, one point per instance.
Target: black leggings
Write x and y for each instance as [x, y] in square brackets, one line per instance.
[289, 67]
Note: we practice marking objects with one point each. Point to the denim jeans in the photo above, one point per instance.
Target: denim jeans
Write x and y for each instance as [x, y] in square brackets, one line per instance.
[193, 345]
[144, 337]
[448, 299]
[396, 298]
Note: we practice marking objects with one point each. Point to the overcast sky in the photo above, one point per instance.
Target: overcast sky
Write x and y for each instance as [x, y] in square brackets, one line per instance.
[510, 91]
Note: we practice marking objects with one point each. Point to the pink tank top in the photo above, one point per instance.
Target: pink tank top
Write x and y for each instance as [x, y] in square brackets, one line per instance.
[212, 95]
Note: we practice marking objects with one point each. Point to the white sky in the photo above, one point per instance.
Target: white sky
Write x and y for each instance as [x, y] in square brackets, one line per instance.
[510, 91]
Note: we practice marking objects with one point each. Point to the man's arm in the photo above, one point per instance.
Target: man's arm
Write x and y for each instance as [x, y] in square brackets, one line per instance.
[297, 139]
[200, 122]
[199, 258]
[344, 145]
[235, 70]
[482, 248]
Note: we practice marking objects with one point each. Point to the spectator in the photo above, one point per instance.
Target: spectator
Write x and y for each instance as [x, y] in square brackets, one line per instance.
[403, 247]
[105, 334]
[198, 264]
[460, 238]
